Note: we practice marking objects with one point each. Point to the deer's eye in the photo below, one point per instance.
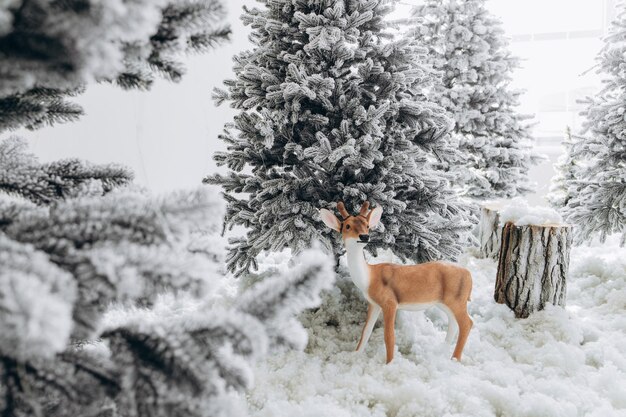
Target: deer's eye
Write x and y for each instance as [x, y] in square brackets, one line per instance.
[348, 227]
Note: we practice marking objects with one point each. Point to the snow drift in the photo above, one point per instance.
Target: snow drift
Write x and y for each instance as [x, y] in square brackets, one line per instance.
[558, 362]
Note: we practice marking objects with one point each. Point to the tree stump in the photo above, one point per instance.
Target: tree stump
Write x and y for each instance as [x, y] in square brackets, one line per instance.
[489, 230]
[533, 266]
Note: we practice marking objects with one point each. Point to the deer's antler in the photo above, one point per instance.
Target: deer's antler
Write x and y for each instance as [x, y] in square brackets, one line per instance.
[342, 210]
[364, 208]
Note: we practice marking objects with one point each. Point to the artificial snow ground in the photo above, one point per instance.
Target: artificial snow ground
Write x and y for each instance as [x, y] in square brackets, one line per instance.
[559, 362]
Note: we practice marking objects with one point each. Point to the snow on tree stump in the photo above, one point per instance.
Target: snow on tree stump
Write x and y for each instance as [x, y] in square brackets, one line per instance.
[533, 266]
[490, 230]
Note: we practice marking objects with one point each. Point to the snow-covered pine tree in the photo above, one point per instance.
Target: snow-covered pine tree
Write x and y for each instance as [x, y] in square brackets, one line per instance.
[50, 49]
[598, 206]
[64, 262]
[332, 107]
[467, 45]
[563, 186]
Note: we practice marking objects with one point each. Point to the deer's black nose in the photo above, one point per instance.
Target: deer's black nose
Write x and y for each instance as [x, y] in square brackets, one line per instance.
[364, 238]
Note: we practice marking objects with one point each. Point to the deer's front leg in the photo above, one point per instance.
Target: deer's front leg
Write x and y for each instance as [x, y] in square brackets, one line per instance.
[389, 317]
[372, 315]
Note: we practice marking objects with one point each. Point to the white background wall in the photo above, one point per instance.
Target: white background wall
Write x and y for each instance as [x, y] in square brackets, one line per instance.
[167, 135]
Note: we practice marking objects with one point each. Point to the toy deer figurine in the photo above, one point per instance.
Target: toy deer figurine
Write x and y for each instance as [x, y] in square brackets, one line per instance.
[389, 287]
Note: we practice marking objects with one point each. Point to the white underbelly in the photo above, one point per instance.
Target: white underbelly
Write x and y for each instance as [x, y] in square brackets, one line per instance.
[415, 306]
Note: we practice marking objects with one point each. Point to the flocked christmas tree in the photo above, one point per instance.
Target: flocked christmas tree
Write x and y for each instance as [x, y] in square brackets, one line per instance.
[77, 238]
[563, 187]
[598, 204]
[66, 259]
[50, 49]
[467, 45]
[332, 107]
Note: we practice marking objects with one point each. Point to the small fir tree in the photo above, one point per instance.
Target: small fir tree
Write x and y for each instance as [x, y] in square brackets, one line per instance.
[598, 205]
[468, 47]
[50, 49]
[332, 107]
[563, 186]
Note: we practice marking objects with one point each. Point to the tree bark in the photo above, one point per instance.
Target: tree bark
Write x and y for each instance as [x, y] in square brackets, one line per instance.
[490, 231]
[533, 266]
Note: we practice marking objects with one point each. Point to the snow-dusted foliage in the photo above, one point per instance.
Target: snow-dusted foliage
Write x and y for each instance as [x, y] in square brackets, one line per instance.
[62, 44]
[182, 357]
[120, 246]
[22, 174]
[563, 185]
[124, 246]
[36, 299]
[467, 45]
[50, 49]
[332, 108]
[75, 382]
[276, 302]
[169, 348]
[598, 182]
[210, 347]
[187, 26]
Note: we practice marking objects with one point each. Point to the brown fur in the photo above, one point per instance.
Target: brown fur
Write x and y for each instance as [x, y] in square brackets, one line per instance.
[392, 285]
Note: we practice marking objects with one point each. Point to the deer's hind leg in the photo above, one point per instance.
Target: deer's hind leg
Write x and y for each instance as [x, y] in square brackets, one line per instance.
[465, 324]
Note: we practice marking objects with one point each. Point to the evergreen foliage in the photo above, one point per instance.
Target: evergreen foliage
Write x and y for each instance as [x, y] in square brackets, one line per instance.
[38, 107]
[333, 107]
[169, 348]
[22, 174]
[186, 26]
[118, 247]
[467, 45]
[50, 49]
[563, 187]
[598, 203]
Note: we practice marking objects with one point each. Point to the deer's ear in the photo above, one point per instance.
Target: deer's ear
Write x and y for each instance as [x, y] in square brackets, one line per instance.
[330, 219]
[375, 215]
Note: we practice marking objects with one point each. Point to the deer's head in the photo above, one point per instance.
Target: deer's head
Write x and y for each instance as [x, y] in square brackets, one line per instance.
[353, 227]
